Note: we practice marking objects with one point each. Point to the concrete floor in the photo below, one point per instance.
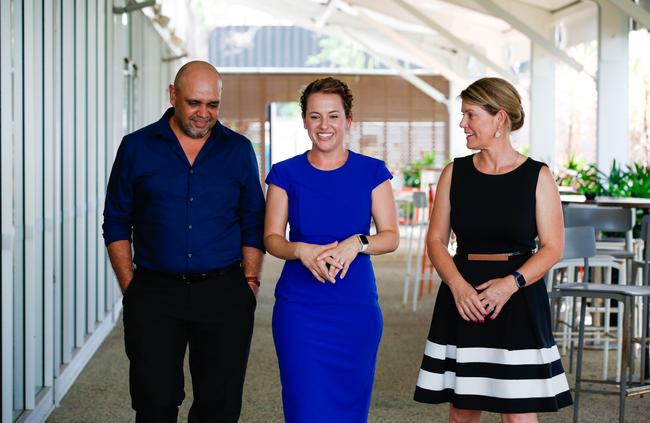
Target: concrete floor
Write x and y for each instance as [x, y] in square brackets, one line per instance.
[101, 392]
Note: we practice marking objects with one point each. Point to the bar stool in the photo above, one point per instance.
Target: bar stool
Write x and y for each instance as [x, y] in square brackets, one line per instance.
[605, 219]
[643, 265]
[581, 241]
[642, 268]
[418, 223]
[564, 337]
[424, 272]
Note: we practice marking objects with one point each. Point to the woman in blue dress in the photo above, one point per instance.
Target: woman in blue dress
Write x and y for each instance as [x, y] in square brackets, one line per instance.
[326, 320]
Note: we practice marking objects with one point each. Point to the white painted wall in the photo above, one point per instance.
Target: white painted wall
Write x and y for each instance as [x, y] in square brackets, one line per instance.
[63, 95]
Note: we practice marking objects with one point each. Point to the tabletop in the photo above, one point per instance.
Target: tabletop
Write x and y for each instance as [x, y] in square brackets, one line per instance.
[627, 202]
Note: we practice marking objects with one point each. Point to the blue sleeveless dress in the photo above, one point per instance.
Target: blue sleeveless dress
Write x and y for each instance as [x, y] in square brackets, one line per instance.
[327, 335]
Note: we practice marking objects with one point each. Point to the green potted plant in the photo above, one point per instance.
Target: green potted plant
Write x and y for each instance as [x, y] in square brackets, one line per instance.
[566, 175]
[618, 181]
[639, 177]
[588, 181]
[639, 187]
[412, 170]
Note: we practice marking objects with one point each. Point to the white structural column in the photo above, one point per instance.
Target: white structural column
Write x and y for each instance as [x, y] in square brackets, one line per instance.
[542, 105]
[80, 209]
[91, 167]
[18, 141]
[613, 99]
[457, 141]
[6, 201]
[102, 110]
[57, 60]
[49, 186]
[67, 179]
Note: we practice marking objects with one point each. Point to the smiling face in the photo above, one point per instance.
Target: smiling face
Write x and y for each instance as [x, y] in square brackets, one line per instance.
[479, 125]
[325, 121]
[196, 99]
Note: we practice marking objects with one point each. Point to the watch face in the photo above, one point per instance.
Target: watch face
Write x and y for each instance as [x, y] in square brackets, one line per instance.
[519, 278]
[364, 239]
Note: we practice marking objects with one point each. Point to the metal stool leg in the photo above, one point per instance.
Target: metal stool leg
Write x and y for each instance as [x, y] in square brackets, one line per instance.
[644, 340]
[409, 253]
[627, 359]
[418, 263]
[583, 303]
[581, 347]
[407, 275]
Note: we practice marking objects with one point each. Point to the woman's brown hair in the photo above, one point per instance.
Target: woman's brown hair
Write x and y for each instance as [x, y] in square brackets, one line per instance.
[327, 85]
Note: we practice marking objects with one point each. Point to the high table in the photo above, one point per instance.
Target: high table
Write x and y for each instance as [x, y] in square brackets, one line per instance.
[627, 202]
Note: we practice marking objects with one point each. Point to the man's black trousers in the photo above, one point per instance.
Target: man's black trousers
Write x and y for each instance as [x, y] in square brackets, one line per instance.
[163, 315]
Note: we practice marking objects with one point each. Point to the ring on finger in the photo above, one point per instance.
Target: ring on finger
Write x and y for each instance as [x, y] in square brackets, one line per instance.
[340, 261]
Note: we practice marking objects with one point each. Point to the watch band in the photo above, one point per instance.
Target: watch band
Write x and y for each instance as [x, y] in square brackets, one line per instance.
[519, 279]
[363, 240]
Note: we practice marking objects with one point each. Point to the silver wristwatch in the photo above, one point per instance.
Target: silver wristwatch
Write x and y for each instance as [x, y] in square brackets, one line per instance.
[363, 240]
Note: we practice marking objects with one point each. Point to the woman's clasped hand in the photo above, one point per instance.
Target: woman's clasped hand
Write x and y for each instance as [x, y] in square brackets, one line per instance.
[476, 302]
[325, 262]
[309, 254]
[467, 302]
[340, 257]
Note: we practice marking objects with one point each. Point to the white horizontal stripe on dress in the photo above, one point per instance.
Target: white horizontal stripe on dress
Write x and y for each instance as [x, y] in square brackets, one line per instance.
[492, 355]
[498, 388]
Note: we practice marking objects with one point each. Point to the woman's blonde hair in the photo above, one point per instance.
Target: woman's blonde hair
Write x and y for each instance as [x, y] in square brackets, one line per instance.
[494, 94]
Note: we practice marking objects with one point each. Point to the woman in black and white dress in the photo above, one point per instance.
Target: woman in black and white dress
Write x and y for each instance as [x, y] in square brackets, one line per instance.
[490, 346]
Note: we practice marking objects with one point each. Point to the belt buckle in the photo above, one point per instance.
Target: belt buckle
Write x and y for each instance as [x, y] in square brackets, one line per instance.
[190, 278]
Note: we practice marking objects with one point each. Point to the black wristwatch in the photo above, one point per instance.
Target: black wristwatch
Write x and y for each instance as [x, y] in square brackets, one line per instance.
[363, 240]
[519, 279]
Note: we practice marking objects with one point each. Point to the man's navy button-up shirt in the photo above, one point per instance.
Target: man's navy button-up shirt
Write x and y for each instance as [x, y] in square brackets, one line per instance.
[184, 218]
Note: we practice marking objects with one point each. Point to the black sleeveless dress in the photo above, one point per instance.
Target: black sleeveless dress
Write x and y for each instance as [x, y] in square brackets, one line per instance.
[510, 364]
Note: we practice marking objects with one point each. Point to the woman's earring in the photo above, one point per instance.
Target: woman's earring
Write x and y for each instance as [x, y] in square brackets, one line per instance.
[497, 134]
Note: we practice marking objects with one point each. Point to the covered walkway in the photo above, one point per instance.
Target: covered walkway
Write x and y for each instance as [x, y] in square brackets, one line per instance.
[100, 394]
[75, 76]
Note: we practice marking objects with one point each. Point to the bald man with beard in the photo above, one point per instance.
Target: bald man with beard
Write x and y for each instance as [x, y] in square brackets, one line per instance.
[183, 224]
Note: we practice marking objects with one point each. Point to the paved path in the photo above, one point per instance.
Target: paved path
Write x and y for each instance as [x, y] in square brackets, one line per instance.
[101, 392]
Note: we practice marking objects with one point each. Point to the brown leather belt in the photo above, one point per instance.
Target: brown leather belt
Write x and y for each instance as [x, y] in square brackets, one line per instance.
[496, 257]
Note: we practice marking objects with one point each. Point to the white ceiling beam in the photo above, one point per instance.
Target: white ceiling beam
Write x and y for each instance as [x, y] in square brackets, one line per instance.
[534, 36]
[573, 11]
[302, 19]
[406, 74]
[331, 7]
[465, 4]
[633, 10]
[402, 41]
[302, 11]
[457, 42]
